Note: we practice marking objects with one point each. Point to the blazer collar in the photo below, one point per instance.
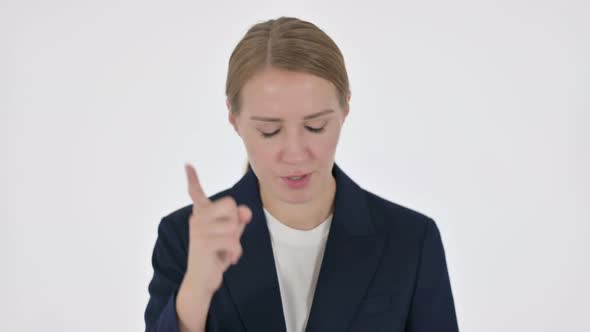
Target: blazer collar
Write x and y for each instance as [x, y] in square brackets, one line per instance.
[350, 201]
[351, 256]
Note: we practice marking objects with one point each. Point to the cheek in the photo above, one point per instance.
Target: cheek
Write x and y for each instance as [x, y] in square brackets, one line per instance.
[325, 145]
[257, 150]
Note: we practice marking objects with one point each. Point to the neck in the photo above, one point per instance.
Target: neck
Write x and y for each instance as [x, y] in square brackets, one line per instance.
[304, 216]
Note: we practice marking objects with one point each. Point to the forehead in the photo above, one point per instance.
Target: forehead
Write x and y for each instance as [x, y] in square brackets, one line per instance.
[287, 94]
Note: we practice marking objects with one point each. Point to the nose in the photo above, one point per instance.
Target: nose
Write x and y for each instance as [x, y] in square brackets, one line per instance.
[294, 149]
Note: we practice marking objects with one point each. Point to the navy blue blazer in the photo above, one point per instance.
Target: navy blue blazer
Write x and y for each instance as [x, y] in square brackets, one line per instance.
[384, 269]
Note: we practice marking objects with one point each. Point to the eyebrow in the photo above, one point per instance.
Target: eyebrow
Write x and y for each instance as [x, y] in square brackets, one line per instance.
[307, 117]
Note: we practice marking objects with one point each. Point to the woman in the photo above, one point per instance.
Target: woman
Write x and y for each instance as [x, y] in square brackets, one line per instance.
[295, 244]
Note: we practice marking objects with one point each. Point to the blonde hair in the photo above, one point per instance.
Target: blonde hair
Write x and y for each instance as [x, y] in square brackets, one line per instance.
[286, 43]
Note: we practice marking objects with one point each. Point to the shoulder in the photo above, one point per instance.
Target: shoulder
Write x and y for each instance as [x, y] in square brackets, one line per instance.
[394, 218]
[408, 231]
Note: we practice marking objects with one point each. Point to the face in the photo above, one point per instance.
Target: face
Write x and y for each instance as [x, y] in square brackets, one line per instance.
[290, 124]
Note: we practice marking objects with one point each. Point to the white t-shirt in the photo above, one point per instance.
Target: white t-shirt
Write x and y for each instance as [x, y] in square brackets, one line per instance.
[298, 256]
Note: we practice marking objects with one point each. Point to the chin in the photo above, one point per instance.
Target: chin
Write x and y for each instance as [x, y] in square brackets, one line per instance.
[296, 198]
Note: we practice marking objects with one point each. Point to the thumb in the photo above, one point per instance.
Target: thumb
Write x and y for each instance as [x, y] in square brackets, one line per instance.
[244, 214]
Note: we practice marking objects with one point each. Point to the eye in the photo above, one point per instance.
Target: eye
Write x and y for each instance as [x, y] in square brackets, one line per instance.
[267, 135]
[315, 130]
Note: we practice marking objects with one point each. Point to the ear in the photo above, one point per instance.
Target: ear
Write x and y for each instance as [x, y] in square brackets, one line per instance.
[347, 110]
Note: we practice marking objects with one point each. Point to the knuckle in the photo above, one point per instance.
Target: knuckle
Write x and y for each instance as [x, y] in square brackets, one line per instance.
[229, 202]
[198, 241]
[234, 226]
[231, 244]
[195, 222]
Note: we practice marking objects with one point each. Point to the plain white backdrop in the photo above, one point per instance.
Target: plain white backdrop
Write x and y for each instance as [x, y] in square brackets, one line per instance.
[475, 113]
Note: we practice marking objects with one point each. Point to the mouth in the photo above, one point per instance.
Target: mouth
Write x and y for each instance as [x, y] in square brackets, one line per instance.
[297, 181]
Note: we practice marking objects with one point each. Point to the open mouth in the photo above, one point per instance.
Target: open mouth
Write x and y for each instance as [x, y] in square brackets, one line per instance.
[297, 182]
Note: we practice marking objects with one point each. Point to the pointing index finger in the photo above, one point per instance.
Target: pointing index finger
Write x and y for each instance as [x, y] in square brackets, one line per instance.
[195, 190]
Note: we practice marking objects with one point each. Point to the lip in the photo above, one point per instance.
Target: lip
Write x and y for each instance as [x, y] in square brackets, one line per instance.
[295, 174]
[297, 184]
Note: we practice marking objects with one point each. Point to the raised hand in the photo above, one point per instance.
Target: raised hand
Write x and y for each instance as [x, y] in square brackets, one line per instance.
[215, 228]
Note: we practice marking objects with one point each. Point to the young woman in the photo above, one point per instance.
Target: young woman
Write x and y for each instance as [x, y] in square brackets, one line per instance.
[295, 244]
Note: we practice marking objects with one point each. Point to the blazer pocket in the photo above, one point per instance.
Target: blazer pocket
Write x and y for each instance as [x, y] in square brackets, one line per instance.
[376, 304]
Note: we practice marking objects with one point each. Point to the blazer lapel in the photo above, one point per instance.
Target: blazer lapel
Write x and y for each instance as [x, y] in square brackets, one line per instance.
[253, 283]
[352, 254]
[353, 251]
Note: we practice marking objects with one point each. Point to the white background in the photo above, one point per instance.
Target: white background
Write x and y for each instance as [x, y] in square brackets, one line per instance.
[475, 113]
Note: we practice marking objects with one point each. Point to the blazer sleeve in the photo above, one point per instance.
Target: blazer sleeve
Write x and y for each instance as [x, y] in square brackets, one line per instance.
[169, 264]
[432, 308]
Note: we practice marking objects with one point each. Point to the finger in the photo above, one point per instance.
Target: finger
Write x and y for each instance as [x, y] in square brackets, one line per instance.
[226, 248]
[224, 260]
[222, 228]
[244, 217]
[224, 208]
[222, 256]
[194, 186]
[244, 214]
